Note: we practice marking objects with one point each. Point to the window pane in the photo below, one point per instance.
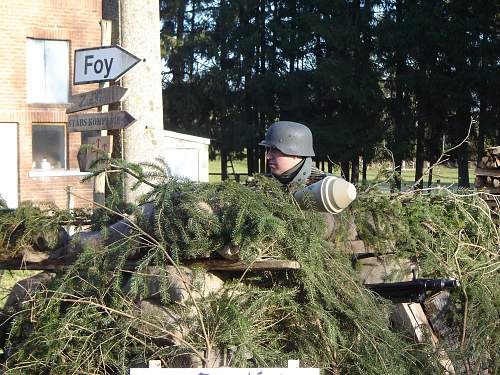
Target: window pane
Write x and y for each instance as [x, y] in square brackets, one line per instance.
[47, 71]
[89, 133]
[35, 71]
[48, 147]
[56, 71]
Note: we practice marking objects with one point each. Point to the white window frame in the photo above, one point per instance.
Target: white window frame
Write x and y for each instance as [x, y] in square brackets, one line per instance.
[47, 71]
[65, 148]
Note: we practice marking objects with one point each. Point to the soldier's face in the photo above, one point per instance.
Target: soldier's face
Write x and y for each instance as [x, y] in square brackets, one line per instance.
[280, 162]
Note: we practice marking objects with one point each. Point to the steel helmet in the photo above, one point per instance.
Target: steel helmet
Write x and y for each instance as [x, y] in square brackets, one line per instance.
[291, 138]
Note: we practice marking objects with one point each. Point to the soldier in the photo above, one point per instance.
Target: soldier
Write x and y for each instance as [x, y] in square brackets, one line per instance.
[289, 152]
[289, 148]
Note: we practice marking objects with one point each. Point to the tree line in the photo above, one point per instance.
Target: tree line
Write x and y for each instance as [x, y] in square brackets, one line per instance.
[414, 75]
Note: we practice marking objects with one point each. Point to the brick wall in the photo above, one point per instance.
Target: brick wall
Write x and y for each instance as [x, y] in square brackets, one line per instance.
[76, 21]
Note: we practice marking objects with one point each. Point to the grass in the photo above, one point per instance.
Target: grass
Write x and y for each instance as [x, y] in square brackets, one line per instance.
[442, 175]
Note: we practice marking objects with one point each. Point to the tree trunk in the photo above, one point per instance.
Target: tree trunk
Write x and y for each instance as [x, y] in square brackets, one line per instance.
[398, 162]
[429, 179]
[463, 120]
[355, 169]
[250, 160]
[247, 102]
[177, 61]
[420, 156]
[365, 169]
[344, 166]
[463, 166]
[264, 168]
[399, 101]
[483, 124]
[140, 25]
[223, 163]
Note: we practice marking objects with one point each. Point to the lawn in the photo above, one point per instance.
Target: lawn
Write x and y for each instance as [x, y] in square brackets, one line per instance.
[443, 175]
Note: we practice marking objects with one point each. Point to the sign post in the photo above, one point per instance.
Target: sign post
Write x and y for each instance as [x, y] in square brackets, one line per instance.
[102, 64]
[96, 98]
[99, 121]
[92, 65]
[99, 147]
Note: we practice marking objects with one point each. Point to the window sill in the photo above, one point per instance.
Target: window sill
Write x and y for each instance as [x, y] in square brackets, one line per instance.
[56, 173]
[48, 105]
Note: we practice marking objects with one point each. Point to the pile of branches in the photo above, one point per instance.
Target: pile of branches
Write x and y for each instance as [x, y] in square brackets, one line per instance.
[93, 317]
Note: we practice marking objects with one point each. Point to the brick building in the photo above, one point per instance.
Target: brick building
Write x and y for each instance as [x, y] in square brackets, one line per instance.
[37, 42]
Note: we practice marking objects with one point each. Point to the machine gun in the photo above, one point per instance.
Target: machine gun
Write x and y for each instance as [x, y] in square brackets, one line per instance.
[411, 291]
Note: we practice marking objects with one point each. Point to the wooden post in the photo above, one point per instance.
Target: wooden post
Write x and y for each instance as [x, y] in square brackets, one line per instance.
[412, 318]
[99, 195]
[142, 141]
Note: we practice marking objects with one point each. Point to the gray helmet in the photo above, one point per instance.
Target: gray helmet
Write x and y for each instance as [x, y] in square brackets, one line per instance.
[291, 138]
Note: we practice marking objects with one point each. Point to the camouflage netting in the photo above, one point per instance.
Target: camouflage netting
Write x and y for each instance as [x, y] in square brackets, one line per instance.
[100, 317]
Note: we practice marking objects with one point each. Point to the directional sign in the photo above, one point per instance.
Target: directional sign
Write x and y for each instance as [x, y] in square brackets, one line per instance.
[99, 121]
[102, 64]
[99, 147]
[96, 98]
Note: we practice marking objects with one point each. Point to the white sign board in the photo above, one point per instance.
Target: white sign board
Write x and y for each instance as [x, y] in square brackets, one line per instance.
[224, 371]
[102, 64]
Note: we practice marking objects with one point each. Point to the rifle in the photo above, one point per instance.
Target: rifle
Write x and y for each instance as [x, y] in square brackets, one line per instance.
[411, 291]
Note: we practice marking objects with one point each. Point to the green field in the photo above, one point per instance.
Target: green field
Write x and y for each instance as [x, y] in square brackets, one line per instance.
[446, 176]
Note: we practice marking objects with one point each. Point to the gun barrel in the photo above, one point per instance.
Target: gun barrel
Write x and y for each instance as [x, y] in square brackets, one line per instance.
[411, 291]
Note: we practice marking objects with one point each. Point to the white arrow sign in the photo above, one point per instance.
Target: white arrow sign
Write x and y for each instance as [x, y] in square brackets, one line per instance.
[102, 64]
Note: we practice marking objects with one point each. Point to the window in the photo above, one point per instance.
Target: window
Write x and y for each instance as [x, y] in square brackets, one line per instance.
[47, 71]
[48, 146]
[87, 134]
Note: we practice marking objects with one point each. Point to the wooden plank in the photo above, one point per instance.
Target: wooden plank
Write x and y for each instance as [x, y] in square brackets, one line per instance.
[45, 265]
[488, 172]
[494, 150]
[99, 121]
[438, 309]
[258, 265]
[356, 246]
[101, 146]
[208, 264]
[96, 98]
[411, 317]
[490, 190]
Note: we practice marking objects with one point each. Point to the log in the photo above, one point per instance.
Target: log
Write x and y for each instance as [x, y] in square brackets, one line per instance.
[411, 317]
[480, 181]
[490, 190]
[208, 264]
[439, 308]
[487, 172]
[494, 150]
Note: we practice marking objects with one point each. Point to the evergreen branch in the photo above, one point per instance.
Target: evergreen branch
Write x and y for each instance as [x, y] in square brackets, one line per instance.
[444, 153]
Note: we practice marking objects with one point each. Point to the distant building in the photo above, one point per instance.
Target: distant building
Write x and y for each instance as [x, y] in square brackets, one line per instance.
[186, 155]
[37, 41]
